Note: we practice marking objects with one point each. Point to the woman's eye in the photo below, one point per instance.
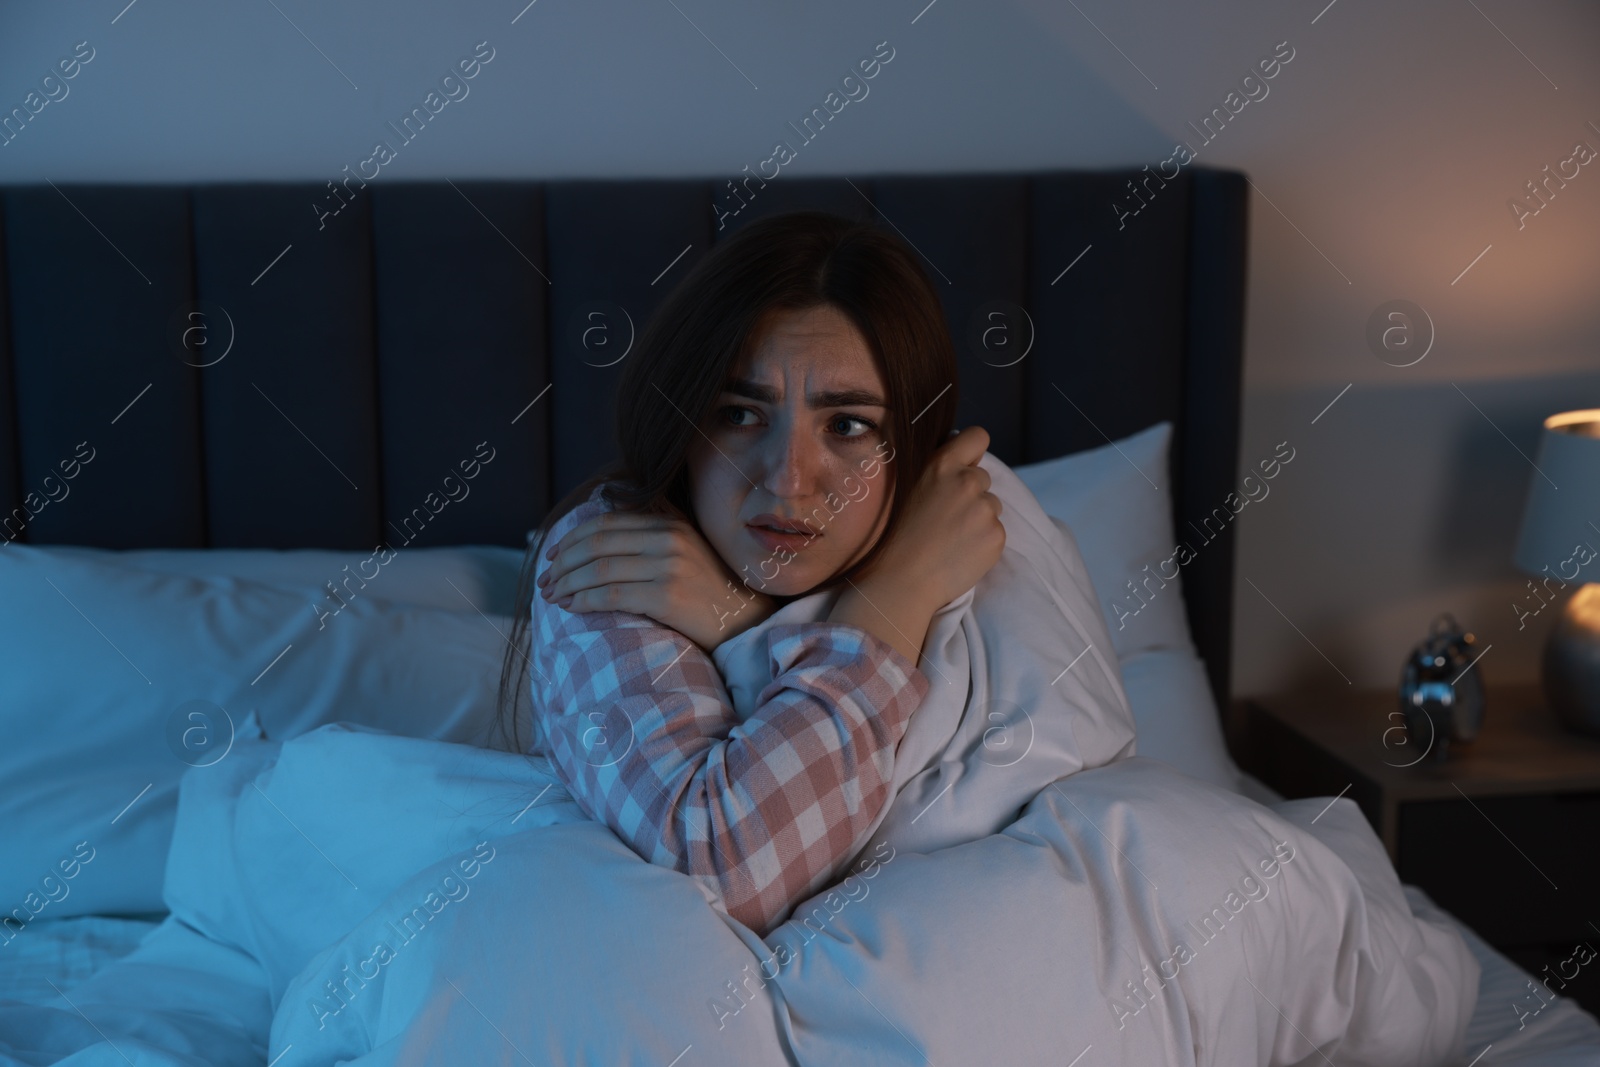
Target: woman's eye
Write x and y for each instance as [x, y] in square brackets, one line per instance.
[862, 426]
[738, 416]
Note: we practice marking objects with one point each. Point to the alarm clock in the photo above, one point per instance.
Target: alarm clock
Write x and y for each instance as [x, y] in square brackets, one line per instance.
[1441, 692]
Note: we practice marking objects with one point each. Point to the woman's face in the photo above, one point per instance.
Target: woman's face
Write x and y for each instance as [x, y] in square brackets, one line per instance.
[795, 440]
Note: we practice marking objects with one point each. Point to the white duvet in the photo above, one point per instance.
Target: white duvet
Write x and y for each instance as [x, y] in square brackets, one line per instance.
[1034, 894]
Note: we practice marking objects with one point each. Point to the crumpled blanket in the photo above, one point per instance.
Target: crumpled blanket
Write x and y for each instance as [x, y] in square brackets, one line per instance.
[1033, 893]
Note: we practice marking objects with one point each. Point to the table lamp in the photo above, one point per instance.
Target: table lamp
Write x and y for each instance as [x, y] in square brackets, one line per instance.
[1559, 543]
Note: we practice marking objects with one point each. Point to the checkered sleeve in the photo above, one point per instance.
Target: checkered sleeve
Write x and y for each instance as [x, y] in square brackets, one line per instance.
[639, 725]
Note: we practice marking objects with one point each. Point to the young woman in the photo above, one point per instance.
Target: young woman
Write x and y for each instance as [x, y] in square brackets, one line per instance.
[784, 427]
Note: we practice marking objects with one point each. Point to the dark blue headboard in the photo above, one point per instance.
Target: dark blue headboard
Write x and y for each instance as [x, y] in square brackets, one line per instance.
[379, 334]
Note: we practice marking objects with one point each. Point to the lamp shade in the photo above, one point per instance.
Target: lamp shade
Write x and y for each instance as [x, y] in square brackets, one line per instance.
[1561, 520]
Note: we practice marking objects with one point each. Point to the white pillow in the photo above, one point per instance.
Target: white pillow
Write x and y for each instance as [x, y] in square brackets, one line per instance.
[1117, 501]
[1176, 715]
[453, 578]
[1123, 525]
[101, 667]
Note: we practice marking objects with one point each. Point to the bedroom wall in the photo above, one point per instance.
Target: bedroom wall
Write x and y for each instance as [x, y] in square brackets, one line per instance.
[1384, 153]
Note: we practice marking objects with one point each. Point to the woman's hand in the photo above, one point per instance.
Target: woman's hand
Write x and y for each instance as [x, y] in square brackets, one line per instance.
[652, 565]
[947, 538]
[950, 533]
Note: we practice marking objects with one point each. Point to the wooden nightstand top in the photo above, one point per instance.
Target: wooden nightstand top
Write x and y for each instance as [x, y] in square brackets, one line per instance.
[1522, 749]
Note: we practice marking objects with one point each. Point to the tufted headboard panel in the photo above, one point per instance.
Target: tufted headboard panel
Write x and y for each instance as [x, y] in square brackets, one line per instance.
[295, 365]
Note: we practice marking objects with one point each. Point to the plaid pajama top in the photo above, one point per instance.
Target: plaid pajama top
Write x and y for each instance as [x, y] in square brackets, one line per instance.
[637, 722]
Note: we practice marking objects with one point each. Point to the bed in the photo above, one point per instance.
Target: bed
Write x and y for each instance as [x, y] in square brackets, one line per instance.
[223, 395]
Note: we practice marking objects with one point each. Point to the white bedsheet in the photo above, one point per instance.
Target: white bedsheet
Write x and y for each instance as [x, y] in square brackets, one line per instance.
[56, 955]
[354, 896]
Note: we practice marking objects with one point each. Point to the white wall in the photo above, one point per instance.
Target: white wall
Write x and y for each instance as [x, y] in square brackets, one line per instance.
[1388, 147]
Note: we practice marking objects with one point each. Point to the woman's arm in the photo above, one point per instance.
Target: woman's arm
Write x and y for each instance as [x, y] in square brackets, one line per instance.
[894, 612]
[948, 538]
[655, 565]
[637, 721]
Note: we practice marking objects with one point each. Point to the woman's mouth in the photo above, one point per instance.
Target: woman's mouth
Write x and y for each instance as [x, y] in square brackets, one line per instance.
[774, 534]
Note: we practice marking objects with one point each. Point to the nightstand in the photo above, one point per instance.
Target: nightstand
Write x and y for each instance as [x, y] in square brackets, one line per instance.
[1505, 835]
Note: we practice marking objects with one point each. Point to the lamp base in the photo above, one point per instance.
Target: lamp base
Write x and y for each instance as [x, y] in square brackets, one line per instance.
[1571, 667]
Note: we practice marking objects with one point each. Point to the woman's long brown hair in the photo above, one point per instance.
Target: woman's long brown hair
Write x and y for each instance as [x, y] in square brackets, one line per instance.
[793, 262]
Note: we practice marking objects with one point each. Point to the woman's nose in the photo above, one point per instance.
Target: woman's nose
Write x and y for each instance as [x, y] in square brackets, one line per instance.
[791, 466]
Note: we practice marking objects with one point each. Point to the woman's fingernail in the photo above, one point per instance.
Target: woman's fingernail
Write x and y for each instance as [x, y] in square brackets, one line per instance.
[565, 601]
[550, 553]
[544, 579]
